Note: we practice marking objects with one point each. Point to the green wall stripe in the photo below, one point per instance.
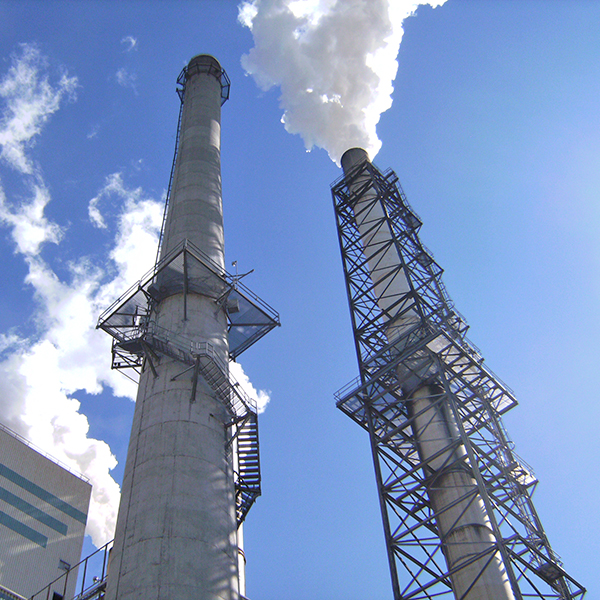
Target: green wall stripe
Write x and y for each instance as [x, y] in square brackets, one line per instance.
[21, 529]
[42, 494]
[32, 511]
[6, 596]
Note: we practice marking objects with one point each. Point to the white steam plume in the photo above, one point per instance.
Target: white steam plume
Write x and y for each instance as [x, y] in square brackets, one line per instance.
[334, 61]
[41, 375]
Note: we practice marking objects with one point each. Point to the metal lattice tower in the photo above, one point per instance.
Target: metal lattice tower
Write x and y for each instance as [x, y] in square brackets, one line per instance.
[455, 499]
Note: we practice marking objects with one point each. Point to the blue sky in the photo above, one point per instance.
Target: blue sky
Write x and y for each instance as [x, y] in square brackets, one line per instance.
[494, 133]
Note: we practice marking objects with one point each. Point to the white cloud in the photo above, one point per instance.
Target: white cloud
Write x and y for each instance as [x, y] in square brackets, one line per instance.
[30, 228]
[247, 12]
[41, 376]
[125, 78]
[8, 340]
[138, 223]
[334, 61]
[130, 43]
[29, 99]
[93, 132]
[41, 408]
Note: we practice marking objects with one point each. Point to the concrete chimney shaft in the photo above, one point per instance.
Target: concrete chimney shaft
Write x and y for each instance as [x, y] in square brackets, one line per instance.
[461, 518]
[195, 209]
[176, 534]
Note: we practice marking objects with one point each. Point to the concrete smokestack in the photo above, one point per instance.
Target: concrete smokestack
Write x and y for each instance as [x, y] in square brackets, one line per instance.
[462, 522]
[195, 208]
[176, 535]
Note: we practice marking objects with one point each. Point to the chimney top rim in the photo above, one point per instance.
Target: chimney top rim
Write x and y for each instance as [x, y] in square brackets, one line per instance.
[353, 157]
[205, 59]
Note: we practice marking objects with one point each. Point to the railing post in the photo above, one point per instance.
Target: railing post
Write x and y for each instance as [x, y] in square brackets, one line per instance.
[84, 574]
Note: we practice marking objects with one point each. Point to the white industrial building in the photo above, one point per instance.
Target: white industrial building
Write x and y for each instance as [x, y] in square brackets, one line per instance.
[43, 512]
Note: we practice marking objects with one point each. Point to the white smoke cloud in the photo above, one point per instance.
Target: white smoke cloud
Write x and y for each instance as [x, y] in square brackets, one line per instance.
[41, 375]
[334, 61]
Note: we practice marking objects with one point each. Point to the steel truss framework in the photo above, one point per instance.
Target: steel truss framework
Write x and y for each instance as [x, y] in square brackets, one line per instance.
[139, 343]
[434, 352]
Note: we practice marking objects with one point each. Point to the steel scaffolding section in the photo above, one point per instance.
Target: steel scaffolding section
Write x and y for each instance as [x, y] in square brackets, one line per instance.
[432, 356]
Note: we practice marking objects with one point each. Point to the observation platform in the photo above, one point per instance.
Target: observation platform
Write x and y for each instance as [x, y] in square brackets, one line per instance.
[139, 341]
[185, 270]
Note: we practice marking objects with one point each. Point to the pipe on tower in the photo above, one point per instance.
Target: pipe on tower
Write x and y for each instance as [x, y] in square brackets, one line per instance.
[463, 524]
[176, 535]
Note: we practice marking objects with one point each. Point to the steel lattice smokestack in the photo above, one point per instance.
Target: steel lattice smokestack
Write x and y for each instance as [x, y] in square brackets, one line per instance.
[463, 524]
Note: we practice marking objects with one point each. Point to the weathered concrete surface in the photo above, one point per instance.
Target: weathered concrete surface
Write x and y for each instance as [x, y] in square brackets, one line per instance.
[176, 536]
[195, 210]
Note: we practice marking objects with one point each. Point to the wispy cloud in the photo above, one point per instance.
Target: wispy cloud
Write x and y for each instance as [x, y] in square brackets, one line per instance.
[93, 132]
[28, 100]
[126, 79]
[130, 43]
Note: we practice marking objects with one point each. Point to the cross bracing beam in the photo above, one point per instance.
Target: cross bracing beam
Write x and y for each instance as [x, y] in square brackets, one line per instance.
[409, 339]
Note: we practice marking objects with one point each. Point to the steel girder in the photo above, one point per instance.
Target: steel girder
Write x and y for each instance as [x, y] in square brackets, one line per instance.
[433, 354]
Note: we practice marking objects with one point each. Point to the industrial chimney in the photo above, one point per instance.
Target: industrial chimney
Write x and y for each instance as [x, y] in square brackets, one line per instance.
[192, 469]
[455, 499]
[460, 514]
